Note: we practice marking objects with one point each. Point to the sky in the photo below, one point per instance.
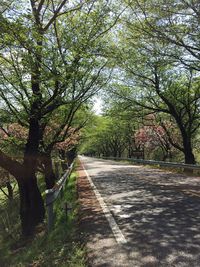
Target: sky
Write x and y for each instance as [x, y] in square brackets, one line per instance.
[97, 108]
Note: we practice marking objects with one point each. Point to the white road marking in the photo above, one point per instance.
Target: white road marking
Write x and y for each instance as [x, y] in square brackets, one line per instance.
[113, 225]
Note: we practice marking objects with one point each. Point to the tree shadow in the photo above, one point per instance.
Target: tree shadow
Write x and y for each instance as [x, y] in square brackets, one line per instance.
[160, 223]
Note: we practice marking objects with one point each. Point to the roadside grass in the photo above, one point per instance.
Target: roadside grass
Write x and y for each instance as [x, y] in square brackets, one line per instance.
[61, 247]
[194, 173]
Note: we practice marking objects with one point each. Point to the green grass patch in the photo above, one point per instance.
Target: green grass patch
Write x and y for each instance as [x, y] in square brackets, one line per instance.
[61, 247]
[163, 168]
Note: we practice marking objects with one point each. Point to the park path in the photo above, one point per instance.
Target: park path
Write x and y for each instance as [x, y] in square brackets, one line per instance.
[146, 217]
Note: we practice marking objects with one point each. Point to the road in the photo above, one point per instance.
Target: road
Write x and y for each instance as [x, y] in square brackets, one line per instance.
[156, 212]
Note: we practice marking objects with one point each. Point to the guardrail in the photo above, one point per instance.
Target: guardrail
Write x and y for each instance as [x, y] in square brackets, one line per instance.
[52, 195]
[160, 163]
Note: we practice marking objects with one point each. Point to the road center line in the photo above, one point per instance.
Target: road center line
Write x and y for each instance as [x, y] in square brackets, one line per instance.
[113, 225]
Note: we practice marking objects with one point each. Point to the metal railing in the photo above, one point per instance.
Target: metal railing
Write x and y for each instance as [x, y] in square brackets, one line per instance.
[52, 195]
[160, 163]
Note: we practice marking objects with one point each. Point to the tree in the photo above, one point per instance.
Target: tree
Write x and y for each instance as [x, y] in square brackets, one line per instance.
[109, 137]
[37, 77]
[157, 82]
[61, 135]
[156, 134]
[5, 181]
[175, 23]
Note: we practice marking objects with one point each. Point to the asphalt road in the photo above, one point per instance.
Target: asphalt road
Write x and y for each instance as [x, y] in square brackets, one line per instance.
[157, 212]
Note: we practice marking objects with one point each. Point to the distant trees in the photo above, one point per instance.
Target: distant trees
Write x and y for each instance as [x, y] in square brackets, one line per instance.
[117, 136]
[159, 139]
[110, 137]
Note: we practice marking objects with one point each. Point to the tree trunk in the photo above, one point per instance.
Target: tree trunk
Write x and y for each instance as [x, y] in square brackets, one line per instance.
[164, 157]
[10, 190]
[50, 177]
[143, 154]
[115, 152]
[31, 204]
[189, 157]
[64, 163]
[188, 153]
[62, 154]
[71, 154]
[57, 169]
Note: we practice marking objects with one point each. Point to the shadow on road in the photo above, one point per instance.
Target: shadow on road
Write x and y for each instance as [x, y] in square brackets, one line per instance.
[102, 249]
[161, 224]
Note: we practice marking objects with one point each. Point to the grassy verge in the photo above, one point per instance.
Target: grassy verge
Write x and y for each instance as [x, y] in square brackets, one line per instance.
[163, 168]
[192, 173]
[59, 248]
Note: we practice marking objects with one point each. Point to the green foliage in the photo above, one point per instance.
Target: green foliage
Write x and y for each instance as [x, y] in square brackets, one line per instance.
[108, 136]
[66, 60]
[157, 64]
[59, 248]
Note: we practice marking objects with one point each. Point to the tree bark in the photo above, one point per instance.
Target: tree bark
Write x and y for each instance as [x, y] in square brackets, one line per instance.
[10, 190]
[32, 209]
[50, 177]
[71, 154]
[31, 204]
[188, 153]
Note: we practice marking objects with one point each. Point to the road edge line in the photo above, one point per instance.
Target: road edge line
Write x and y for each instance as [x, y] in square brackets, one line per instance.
[113, 225]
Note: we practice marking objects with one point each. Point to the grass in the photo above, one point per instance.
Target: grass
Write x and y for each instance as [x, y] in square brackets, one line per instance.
[176, 170]
[164, 168]
[61, 247]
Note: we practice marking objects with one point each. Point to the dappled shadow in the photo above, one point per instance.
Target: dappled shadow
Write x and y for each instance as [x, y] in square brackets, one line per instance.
[161, 226]
[102, 248]
[159, 221]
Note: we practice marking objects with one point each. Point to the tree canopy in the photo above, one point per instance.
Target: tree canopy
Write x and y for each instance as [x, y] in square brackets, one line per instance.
[140, 57]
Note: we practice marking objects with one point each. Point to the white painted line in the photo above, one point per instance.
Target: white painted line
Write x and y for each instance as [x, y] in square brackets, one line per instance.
[113, 225]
